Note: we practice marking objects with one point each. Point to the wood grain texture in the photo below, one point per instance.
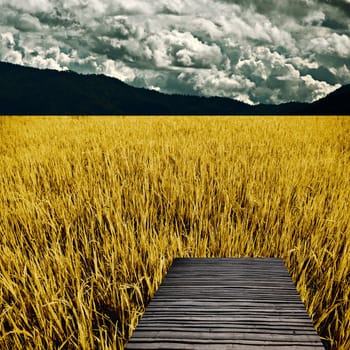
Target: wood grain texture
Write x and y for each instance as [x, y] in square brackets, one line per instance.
[236, 303]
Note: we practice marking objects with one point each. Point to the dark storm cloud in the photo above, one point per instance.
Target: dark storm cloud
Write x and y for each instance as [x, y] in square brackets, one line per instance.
[255, 50]
[117, 27]
[297, 8]
[57, 18]
[342, 5]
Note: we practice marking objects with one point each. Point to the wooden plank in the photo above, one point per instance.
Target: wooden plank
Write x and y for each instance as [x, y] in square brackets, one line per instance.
[221, 304]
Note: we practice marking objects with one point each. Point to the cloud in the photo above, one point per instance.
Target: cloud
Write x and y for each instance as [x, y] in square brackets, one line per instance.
[279, 79]
[183, 50]
[27, 23]
[341, 5]
[333, 44]
[258, 51]
[316, 89]
[211, 81]
[29, 5]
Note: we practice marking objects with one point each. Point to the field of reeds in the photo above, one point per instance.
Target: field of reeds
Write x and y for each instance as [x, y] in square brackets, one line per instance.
[93, 211]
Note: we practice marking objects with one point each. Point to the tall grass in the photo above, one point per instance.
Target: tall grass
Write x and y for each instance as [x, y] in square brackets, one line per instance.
[93, 211]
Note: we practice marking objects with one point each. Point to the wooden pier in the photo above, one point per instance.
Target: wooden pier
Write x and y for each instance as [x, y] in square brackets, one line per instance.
[219, 304]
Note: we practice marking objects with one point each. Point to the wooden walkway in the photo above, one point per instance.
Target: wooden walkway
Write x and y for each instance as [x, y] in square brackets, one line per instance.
[217, 304]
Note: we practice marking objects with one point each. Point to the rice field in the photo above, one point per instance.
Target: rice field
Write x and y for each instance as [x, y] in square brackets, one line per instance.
[93, 210]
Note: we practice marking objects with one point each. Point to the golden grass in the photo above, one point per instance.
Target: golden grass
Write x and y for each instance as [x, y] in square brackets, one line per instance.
[93, 210]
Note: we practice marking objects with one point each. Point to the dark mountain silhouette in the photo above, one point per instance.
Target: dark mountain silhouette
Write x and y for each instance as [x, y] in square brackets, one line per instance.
[31, 91]
[336, 103]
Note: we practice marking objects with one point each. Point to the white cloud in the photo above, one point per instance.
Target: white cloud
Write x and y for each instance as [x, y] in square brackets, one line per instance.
[315, 18]
[8, 52]
[29, 5]
[44, 63]
[333, 44]
[28, 23]
[13, 57]
[218, 83]
[302, 63]
[317, 89]
[261, 62]
[7, 40]
[117, 70]
[188, 51]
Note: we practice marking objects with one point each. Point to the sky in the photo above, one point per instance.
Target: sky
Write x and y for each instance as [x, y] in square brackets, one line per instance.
[255, 51]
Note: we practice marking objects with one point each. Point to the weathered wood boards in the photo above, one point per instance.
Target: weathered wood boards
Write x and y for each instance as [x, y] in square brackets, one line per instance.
[217, 304]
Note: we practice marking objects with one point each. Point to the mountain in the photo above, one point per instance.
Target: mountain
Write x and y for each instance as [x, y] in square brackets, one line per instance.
[336, 103]
[31, 91]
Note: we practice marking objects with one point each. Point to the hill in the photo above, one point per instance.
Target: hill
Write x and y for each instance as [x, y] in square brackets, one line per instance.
[31, 91]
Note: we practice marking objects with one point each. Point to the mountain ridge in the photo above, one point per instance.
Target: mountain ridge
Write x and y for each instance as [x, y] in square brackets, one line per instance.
[33, 91]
